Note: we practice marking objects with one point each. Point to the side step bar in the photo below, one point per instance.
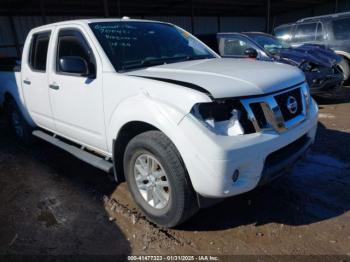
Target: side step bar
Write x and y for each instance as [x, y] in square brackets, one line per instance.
[81, 154]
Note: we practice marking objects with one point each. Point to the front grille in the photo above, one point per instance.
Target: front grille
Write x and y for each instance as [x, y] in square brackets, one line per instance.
[282, 101]
[259, 114]
[247, 125]
[277, 111]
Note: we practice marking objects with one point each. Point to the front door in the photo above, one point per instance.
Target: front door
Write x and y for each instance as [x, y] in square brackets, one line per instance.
[77, 99]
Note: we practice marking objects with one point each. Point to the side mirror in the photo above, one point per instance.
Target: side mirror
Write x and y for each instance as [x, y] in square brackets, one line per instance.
[74, 65]
[251, 53]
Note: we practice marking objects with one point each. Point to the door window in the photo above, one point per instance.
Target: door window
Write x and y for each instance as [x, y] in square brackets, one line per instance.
[38, 51]
[341, 28]
[72, 43]
[305, 32]
[233, 47]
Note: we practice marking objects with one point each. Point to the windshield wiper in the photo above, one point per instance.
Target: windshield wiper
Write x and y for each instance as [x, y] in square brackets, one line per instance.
[162, 61]
[142, 63]
[198, 57]
[150, 62]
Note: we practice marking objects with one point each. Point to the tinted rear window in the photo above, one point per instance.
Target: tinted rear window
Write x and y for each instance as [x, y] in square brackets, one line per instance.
[341, 28]
[38, 51]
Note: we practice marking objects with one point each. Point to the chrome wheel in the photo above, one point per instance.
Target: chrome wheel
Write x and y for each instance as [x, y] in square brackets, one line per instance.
[152, 181]
[16, 124]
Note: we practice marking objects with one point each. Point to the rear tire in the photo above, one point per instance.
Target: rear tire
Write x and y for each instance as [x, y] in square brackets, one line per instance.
[180, 201]
[19, 127]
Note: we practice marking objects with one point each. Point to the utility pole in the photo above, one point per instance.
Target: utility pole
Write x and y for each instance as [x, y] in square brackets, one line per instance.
[43, 12]
[14, 34]
[105, 8]
[119, 8]
[268, 16]
[336, 6]
[192, 16]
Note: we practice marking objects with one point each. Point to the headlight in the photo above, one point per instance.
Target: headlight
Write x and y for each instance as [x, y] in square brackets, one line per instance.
[307, 96]
[222, 118]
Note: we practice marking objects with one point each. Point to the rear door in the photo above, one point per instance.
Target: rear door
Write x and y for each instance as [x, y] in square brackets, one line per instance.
[77, 100]
[35, 80]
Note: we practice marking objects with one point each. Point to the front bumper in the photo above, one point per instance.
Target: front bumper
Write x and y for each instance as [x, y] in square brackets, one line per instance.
[211, 160]
[280, 161]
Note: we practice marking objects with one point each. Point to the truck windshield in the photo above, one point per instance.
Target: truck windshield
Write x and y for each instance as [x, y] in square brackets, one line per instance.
[133, 45]
[341, 28]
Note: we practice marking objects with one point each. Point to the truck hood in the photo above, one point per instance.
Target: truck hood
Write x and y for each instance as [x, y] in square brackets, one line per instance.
[317, 54]
[225, 77]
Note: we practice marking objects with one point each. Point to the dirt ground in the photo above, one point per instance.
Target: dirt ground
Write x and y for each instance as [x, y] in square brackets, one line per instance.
[52, 203]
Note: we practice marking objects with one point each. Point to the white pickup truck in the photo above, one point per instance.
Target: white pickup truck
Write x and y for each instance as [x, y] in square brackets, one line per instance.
[152, 104]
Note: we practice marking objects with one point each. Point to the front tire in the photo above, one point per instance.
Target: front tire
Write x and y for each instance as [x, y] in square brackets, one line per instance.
[19, 127]
[158, 180]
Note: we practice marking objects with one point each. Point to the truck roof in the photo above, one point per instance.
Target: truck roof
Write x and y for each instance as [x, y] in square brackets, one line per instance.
[95, 20]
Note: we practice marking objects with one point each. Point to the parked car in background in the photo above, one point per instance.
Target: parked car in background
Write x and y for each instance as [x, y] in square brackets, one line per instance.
[332, 31]
[320, 64]
[147, 101]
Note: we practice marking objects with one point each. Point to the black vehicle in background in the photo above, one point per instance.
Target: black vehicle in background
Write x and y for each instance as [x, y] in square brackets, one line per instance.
[320, 64]
[332, 31]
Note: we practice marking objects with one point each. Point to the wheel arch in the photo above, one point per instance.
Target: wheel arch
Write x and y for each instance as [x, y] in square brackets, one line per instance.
[345, 59]
[11, 92]
[8, 96]
[125, 123]
[154, 115]
[126, 133]
[343, 54]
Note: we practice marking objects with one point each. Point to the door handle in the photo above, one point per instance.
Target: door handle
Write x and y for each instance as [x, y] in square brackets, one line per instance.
[54, 87]
[27, 82]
